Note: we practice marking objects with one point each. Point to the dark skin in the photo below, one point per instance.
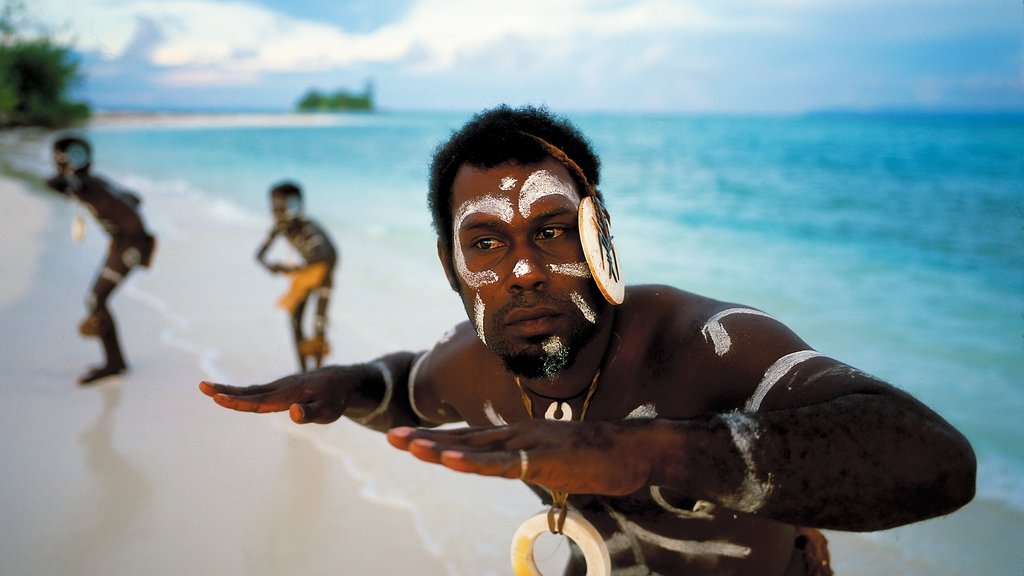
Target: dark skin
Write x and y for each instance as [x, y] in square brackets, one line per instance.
[314, 245]
[828, 446]
[130, 245]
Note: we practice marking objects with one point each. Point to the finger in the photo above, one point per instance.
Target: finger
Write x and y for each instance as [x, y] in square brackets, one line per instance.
[313, 412]
[501, 464]
[425, 450]
[259, 403]
[472, 438]
[399, 437]
[212, 388]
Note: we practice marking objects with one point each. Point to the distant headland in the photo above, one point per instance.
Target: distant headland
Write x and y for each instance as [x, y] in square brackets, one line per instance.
[338, 101]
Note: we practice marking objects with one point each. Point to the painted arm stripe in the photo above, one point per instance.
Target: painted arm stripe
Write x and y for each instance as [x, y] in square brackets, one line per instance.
[775, 372]
[412, 386]
[715, 332]
[389, 389]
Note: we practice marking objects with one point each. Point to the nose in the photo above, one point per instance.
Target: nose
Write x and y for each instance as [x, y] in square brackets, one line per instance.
[527, 274]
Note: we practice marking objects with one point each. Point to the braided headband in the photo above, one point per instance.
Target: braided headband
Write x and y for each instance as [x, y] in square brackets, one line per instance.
[595, 229]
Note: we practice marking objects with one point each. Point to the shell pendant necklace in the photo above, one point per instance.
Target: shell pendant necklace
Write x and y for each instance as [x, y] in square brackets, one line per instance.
[559, 409]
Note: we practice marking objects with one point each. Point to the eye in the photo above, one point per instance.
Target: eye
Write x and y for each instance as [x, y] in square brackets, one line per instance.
[550, 232]
[488, 244]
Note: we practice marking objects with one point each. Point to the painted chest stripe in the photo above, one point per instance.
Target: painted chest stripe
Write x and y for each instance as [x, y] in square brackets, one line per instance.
[775, 372]
[715, 332]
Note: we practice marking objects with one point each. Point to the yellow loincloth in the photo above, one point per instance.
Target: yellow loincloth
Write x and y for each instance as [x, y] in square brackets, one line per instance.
[304, 280]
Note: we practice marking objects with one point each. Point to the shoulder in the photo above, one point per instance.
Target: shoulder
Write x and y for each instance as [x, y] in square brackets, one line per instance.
[454, 375]
[709, 354]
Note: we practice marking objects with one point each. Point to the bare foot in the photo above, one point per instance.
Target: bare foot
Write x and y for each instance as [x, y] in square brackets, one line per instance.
[100, 372]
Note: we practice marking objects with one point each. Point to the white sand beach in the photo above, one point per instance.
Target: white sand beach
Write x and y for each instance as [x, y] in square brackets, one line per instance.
[144, 475]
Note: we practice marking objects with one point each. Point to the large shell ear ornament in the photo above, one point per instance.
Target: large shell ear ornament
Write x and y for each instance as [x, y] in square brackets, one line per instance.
[596, 238]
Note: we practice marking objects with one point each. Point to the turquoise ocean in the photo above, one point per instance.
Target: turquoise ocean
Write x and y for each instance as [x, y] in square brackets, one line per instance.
[893, 242]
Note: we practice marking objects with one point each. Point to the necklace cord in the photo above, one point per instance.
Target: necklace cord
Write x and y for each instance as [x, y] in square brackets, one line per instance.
[559, 499]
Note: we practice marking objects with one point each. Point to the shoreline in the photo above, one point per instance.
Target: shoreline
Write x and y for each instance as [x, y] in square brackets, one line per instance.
[141, 472]
[122, 437]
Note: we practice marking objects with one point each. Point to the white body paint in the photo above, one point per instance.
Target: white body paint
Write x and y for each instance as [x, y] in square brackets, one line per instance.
[702, 510]
[478, 318]
[543, 183]
[495, 205]
[774, 373]
[643, 412]
[754, 491]
[585, 308]
[522, 268]
[576, 269]
[714, 332]
[539, 184]
[631, 533]
[492, 415]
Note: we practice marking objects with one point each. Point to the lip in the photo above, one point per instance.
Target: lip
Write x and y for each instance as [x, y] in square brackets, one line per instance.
[532, 321]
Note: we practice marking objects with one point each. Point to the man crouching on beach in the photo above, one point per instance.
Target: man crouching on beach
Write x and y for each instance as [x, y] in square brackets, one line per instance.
[670, 433]
[131, 245]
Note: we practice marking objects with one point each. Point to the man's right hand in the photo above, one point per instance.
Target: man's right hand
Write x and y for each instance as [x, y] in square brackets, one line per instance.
[320, 396]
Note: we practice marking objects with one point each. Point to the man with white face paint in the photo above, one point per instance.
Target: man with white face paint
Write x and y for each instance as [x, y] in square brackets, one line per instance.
[669, 432]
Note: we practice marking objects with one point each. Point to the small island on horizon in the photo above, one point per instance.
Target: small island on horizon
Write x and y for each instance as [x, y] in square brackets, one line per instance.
[340, 100]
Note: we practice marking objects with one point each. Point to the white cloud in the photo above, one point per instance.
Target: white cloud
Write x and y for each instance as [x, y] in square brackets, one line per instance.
[245, 40]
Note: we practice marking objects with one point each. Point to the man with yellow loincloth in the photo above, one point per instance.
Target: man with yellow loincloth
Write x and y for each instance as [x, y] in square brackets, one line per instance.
[669, 432]
[314, 277]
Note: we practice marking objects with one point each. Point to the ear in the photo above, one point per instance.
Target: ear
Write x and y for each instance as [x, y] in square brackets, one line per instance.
[445, 257]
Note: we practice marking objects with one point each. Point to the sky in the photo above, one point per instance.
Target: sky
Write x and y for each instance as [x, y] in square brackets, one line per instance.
[726, 56]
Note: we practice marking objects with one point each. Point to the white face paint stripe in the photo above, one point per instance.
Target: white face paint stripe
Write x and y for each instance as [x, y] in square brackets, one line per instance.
[643, 412]
[540, 184]
[478, 318]
[754, 492]
[496, 205]
[576, 269]
[492, 415]
[774, 373]
[522, 268]
[715, 332]
[585, 308]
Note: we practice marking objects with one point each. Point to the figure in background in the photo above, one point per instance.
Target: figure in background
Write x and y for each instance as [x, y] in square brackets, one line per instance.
[314, 276]
[131, 245]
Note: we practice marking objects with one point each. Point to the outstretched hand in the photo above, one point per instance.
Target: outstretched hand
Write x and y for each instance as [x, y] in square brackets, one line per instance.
[579, 457]
[308, 397]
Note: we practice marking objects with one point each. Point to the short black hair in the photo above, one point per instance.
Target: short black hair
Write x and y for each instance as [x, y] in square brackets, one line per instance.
[499, 135]
[67, 142]
[286, 188]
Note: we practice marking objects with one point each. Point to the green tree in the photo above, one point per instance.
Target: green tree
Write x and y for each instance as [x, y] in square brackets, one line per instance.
[36, 75]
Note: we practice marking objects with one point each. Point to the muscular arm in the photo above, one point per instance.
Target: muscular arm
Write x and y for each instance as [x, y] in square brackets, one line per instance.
[795, 436]
[374, 394]
[864, 461]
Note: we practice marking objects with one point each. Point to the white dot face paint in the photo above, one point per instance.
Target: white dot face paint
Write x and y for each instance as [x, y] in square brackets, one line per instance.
[498, 206]
[522, 268]
[508, 183]
[585, 308]
[543, 183]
